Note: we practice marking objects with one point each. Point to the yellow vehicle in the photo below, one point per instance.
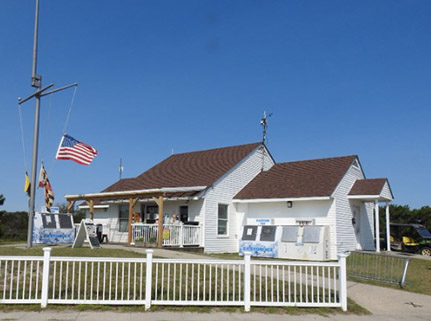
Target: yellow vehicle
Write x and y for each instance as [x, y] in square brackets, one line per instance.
[412, 238]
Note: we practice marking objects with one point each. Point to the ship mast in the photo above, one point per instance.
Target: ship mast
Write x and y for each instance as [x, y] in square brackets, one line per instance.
[36, 82]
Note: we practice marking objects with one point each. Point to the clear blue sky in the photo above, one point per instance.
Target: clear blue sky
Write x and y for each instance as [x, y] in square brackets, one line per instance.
[340, 77]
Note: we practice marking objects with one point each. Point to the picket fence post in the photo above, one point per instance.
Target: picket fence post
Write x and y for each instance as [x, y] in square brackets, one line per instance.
[247, 269]
[343, 281]
[148, 279]
[45, 276]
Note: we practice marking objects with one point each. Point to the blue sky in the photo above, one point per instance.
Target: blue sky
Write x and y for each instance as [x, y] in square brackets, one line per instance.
[340, 77]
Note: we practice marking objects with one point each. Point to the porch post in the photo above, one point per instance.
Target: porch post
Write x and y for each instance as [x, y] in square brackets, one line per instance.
[129, 236]
[91, 209]
[160, 227]
[388, 229]
[377, 224]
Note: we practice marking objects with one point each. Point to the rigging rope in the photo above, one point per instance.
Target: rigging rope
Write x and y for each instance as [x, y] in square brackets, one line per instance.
[66, 123]
[70, 110]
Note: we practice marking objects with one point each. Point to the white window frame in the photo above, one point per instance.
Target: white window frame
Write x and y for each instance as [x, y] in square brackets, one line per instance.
[123, 219]
[227, 220]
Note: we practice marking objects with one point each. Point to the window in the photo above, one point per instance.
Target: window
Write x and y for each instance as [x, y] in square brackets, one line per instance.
[222, 220]
[123, 217]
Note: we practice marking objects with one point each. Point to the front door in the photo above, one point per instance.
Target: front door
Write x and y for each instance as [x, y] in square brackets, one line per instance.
[184, 213]
[356, 222]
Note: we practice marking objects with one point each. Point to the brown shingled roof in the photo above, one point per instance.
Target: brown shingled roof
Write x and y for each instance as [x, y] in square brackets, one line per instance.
[201, 168]
[318, 177]
[368, 186]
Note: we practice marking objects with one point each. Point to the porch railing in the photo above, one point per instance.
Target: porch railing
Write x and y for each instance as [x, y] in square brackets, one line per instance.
[148, 281]
[173, 234]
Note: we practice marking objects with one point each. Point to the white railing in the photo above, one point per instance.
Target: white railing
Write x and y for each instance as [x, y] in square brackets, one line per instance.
[173, 234]
[20, 279]
[121, 281]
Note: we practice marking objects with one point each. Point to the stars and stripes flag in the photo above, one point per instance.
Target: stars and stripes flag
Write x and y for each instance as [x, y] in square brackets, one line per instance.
[44, 182]
[72, 149]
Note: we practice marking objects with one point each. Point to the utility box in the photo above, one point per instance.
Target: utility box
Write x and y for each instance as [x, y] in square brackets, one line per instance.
[53, 228]
[304, 242]
[260, 240]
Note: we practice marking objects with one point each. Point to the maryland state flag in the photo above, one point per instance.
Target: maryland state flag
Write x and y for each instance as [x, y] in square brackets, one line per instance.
[49, 194]
[27, 185]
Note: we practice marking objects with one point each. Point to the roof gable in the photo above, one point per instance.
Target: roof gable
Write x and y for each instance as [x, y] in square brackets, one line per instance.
[372, 187]
[310, 178]
[200, 168]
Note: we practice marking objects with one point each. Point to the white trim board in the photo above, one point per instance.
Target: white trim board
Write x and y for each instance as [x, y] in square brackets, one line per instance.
[287, 199]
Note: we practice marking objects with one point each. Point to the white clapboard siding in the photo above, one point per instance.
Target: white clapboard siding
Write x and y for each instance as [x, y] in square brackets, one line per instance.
[345, 234]
[222, 192]
[386, 191]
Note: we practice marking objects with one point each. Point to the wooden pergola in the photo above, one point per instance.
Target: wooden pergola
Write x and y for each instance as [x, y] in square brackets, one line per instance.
[157, 195]
[132, 196]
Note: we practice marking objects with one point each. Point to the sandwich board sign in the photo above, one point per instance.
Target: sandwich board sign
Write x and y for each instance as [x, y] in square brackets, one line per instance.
[86, 231]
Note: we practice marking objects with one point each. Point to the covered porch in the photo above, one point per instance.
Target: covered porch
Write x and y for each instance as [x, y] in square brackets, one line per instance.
[375, 192]
[138, 212]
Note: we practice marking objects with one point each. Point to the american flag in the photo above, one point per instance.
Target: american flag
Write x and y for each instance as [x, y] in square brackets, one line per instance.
[72, 149]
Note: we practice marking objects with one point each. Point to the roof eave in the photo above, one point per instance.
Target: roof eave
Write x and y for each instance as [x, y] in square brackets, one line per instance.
[143, 192]
[369, 198]
[283, 199]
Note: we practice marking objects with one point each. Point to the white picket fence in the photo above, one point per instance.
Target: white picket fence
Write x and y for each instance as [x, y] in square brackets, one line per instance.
[177, 234]
[148, 281]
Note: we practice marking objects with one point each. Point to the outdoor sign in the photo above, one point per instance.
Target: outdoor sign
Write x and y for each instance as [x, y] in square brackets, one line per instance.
[261, 249]
[53, 228]
[166, 234]
[260, 221]
[86, 231]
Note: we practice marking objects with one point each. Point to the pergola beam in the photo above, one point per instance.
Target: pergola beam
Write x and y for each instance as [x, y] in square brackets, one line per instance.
[132, 203]
[159, 202]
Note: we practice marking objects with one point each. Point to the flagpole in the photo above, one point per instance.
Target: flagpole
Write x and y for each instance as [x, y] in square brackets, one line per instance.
[36, 81]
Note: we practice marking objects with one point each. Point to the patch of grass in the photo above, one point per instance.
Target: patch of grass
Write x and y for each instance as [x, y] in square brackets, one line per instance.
[11, 241]
[354, 309]
[68, 251]
[418, 279]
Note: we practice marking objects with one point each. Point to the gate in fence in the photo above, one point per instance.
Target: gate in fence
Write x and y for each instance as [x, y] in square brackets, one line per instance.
[149, 281]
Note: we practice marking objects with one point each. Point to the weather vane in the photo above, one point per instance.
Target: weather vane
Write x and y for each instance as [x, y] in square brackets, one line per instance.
[264, 123]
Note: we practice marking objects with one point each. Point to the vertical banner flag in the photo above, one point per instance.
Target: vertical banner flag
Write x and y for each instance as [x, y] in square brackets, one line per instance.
[27, 185]
[49, 194]
[72, 149]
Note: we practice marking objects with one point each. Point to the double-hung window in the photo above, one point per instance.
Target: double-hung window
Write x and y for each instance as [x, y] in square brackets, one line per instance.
[123, 217]
[222, 220]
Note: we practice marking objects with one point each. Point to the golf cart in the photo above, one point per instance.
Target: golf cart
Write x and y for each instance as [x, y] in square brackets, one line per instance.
[413, 238]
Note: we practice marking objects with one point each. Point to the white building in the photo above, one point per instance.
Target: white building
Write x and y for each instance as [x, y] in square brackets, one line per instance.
[221, 189]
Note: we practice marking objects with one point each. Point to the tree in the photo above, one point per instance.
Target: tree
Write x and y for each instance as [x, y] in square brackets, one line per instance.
[403, 214]
[2, 199]
[78, 215]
